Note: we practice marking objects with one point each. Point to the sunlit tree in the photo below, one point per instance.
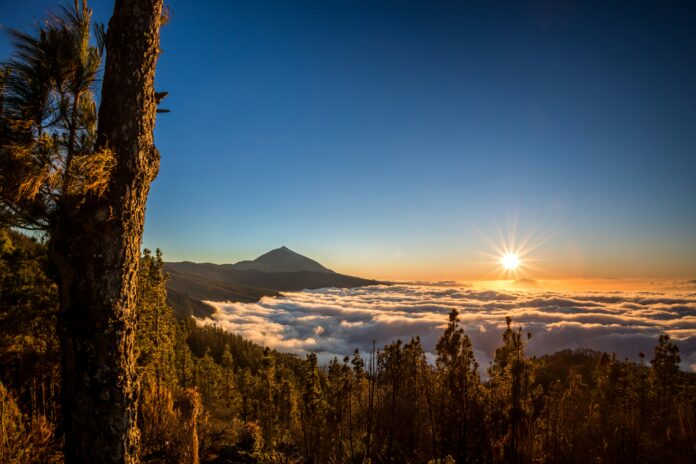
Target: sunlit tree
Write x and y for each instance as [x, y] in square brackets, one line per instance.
[83, 176]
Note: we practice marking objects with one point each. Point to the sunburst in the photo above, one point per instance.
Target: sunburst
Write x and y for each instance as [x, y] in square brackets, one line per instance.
[510, 257]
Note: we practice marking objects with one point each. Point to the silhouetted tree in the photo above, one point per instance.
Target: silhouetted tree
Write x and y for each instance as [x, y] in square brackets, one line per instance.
[511, 382]
[459, 384]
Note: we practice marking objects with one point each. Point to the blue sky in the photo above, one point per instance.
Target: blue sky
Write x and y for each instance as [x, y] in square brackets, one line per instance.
[384, 138]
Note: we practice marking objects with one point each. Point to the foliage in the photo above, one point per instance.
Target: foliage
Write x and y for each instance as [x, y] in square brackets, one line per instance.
[28, 340]
[22, 439]
[213, 395]
[156, 337]
[48, 157]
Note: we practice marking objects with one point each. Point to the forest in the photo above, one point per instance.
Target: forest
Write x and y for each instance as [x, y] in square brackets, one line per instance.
[212, 396]
[95, 367]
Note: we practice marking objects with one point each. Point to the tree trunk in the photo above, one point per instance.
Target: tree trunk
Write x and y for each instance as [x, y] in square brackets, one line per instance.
[96, 251]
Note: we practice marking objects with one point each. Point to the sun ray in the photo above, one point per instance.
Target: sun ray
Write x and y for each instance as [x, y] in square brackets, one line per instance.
[511, 255]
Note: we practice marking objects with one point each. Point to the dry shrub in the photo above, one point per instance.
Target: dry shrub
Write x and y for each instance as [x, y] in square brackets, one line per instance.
[252, 438]
[189, 406]
[168, 424]
[218, 428]
[22, 439]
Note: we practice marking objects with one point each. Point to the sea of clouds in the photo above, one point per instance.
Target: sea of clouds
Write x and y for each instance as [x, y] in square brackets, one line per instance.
[333, 322]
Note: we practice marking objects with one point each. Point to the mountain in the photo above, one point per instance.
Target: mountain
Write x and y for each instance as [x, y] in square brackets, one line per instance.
[281, 259]
[282, 269]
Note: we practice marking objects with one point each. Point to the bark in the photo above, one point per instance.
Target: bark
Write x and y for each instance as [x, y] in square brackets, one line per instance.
[95, 250]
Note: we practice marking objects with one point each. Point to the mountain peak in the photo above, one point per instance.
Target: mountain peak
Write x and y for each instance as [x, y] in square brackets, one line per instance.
[282, 251]
[281, 259]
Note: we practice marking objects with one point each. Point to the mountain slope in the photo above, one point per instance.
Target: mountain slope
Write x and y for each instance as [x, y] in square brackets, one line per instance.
[281, 269]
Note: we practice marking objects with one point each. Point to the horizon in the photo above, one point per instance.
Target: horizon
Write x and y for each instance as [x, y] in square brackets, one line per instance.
[510, 282]
[402, 141]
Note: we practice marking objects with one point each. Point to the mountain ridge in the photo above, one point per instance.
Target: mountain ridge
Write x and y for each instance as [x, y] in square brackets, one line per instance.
[190, 284]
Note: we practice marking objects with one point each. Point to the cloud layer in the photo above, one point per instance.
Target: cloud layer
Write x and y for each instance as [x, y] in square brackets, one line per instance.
[336, 321]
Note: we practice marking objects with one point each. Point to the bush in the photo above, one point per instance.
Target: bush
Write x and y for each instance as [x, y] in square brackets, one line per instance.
[22, 439]
[168, 424]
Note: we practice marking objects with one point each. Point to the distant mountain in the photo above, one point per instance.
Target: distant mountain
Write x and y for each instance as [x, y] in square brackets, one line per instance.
[278, 270]
[281, 259]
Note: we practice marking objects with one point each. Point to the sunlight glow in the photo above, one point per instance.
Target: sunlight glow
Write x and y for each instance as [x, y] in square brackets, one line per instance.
[510, 261]
[511, 256]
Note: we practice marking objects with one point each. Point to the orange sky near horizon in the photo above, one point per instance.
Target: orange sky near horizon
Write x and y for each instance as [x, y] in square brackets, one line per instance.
[570, 265]
[565, 263]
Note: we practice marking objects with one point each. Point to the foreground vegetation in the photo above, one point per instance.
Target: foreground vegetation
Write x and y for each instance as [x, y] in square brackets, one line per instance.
[209, 394]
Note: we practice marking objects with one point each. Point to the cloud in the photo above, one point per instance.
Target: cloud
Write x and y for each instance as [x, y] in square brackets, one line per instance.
[526, 283]
[333, 322]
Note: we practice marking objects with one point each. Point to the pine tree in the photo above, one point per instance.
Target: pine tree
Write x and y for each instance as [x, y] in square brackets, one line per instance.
[156, 336]
[266, 396]
[229, 395]
[183, 356]
[511, 379]
[665, 380]
[312, 410]
[84, 179]
[458, 384]
[339, 380]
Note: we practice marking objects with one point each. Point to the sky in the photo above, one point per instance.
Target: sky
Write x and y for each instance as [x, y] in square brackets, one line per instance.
[402, 140]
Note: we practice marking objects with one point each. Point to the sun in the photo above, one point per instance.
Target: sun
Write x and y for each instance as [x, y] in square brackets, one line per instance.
[510, 256]
[510, 261]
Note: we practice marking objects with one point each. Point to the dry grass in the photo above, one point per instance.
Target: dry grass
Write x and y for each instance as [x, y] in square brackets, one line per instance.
[22, 439]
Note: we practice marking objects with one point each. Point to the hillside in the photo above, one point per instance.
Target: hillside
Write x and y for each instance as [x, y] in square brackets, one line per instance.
[278, 270]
